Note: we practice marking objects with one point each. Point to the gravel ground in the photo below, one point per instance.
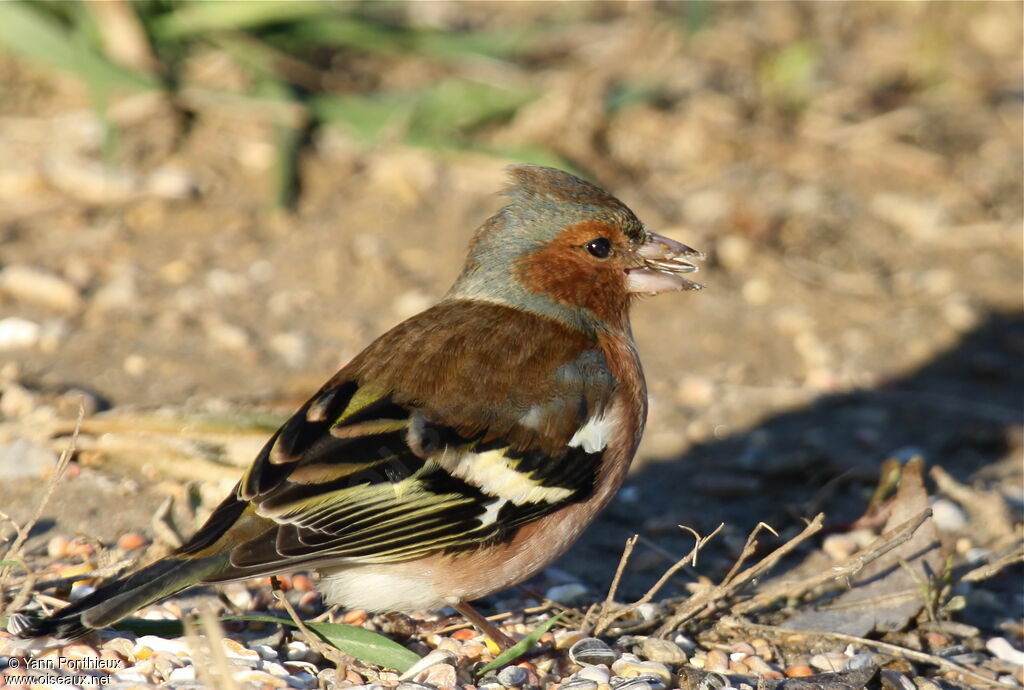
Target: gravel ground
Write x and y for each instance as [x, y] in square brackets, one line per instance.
[853, 171]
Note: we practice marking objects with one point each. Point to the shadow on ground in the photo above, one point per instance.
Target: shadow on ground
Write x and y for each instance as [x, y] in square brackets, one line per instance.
[962, 410]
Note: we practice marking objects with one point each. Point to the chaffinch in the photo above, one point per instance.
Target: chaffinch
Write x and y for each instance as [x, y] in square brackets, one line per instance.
[465, 449]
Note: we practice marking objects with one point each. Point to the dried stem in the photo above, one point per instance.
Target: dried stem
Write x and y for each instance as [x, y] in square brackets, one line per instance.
[705, 600]
[896, 650]
[881, 546]
[607, 617]
[748, 550]
[13, 552]
[341, 661]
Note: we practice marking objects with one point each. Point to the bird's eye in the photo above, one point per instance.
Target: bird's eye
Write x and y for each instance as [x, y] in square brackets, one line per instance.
[599, 247]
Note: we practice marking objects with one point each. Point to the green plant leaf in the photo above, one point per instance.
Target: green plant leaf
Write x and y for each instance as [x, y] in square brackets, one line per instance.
[365, 645]
[8, 564]
[521, 647]
[358, 642]
[41, 37]
[194, 18]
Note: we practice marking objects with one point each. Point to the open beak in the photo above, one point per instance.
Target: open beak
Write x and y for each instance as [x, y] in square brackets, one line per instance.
[662, 263]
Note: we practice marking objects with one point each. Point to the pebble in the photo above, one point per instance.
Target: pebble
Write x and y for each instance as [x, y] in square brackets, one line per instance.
[829, 661]
[18, 334]
[664, 651]
[263, 678]
[1005, 651]
[567, 638]
[648, 682]
[717, 661]
[576, 684]
[22, 459]
[182, 673]
[591, 651]
[17, 401]
[799, 671]
[628, 666]
[839, 547]
[859, 661]
[438, 656]
[598, 674]
[36, 286]
[440, 676]
[236, 650]
[894, 680]
[567, 594]
[131, 541]
[513, 676]
[948, 516]
[760, 667]
[762, 648]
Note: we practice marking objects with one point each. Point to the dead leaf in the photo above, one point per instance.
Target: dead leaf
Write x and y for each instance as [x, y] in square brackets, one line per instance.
[887, 593]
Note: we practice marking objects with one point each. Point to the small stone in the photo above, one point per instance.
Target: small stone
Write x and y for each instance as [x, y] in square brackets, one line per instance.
[1002, 649]
[576, 684]
[894, 680]
[17, 401]
[263, 678]
[839, 547]
[291, 347]
[599, 674]
[664, 651]
[860, 661]
[948, 516]
[464, 634]
[440, 676]
[236, 650]
[171, 182]
[762, 648]
[591, 651]
[225, 335]
[744, 648]
[131, 541]
[628, 666]
[760, 667]
[18, 334]
[355, 617]
[717, 661]
[567, 638]
[36, 286]
[298, 650]
[22, 459]
[567, 594]
[799, 671]
[713, 681]
[513, 676]
[644, 682]
[438, 656]
[829, 661]
[183, 673]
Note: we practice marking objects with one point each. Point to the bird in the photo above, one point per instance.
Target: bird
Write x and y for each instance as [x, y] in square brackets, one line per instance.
[463, 450]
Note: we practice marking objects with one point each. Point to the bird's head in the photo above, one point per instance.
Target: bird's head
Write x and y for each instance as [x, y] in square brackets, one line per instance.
[568, 249]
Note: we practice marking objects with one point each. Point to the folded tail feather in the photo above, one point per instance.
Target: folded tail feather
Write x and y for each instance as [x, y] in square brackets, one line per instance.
[116, 600]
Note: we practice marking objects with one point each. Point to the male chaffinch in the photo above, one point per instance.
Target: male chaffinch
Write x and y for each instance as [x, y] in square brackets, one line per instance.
[465, 449]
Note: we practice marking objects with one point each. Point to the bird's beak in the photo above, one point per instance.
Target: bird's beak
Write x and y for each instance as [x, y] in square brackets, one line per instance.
[662, 261]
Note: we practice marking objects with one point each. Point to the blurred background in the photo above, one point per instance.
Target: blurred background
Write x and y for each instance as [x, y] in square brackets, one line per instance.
[206, 208]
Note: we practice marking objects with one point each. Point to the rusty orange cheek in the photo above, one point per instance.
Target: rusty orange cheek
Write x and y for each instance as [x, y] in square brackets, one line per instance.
[566, 274]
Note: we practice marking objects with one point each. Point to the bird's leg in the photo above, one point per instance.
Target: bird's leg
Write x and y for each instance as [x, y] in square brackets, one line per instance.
[483, 625]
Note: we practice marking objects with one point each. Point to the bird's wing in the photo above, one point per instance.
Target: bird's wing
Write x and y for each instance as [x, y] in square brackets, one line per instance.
[450, 431]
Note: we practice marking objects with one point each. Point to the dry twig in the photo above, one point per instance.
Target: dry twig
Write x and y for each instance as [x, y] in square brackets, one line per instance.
[13, 552]
[340, 660]
[793, 590]
[607, 617]
[699, 603]
[896, 650]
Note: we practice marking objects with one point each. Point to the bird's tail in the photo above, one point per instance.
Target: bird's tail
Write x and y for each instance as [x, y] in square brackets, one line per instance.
[116, 600]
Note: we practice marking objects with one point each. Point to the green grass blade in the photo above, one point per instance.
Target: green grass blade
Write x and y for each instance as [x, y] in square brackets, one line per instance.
[190, 19]
[358, 642]
[366, 645]
[522, 647]
[40, 37]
